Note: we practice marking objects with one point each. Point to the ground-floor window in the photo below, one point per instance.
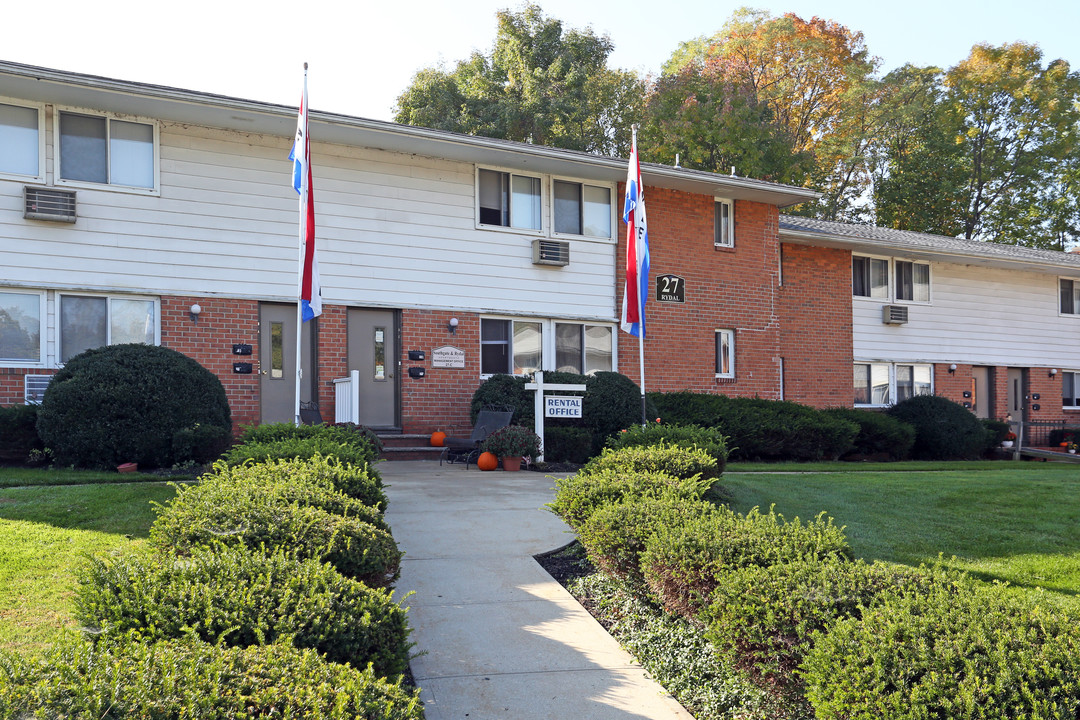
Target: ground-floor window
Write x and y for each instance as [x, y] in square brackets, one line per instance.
[521, 347]
[725, 353]
[881, 383]
[21, 315]
[90, 321]
[1070, 389]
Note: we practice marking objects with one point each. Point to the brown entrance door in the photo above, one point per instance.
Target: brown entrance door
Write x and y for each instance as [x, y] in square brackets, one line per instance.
[373, 352]
[1016, 400]
[277, 362]
[981, 401]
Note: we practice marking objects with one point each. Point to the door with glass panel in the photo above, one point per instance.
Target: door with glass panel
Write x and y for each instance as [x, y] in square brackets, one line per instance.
[373, 352]
[277, 362]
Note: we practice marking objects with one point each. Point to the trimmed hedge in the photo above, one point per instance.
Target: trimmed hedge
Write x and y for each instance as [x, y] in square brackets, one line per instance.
[953, 650]
[685, 436]
[303, 449]
[677, 461]
[761, 429]
[567, 444]
[346, 434]
[18, 433]
[944, 430]
[880, 436]
[242, 597]
[683, 563]
[578, 496]
[180, 680]
[216, 513]
[765, 617]
[125, 403]
[318, 480]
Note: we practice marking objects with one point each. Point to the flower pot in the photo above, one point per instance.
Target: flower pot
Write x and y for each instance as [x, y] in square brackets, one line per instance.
[511, 464]
[1072, 452]
[1006, 443]
[127, 468]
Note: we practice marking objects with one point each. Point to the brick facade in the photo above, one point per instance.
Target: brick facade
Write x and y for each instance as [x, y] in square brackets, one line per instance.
[441, 399]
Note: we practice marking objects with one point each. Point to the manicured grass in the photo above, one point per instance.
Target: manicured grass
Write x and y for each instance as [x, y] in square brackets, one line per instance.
[1014, 522]
[20, 476]
[45, 532]
[845, 467]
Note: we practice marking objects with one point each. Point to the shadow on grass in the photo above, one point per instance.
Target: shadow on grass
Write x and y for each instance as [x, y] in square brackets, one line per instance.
[115, 509]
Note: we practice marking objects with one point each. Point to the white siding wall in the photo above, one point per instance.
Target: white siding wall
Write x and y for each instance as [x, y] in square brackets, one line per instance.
[977, 315]
[393, 230]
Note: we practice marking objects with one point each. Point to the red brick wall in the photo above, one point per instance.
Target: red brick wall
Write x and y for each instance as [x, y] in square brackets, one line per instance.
[441, 399]
[222, 323]
[1049, 391]
[816, 326]
[333, 354]
[952, 385]
[725, 288]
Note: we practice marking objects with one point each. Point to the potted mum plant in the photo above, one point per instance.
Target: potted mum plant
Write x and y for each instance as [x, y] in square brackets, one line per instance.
[1010, 437]
[511, 443]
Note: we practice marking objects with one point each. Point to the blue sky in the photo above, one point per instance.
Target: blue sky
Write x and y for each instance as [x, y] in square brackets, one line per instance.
[362, 57]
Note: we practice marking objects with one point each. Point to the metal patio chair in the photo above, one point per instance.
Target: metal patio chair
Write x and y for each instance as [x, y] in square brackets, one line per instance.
[489, 419]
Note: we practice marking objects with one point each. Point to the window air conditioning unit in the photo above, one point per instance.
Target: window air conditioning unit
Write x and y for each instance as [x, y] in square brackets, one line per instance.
[34, 388]
[894, 314]
[551, 252]
[49, 204]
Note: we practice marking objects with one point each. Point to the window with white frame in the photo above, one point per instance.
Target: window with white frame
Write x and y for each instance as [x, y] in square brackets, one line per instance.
[723, 223]
[21, 140]
[1070, 389]
[106, 151]
[581, 209]
[725, 353]
[912, 281]
[509, 200]
[91, 321]
[869, 277]
[20, 326]
[582, 349]
[510, 346]
[878, 384]
[1070, 296]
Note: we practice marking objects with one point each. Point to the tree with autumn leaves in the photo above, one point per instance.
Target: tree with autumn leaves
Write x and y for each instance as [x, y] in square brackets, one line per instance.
[986, 149]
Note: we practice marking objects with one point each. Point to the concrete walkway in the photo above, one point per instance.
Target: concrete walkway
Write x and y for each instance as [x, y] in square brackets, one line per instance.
[500, 638]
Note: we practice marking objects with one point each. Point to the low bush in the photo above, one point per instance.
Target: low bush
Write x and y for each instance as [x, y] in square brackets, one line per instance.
[944, 430]
[880, 437]
[578, 496]
[200, 444]
[612, 403]
[567, 444]
[682, 563]
[124, 403]
[234, 514]
[953, 650]
[761, 429]
[680, 462]
[685, 436]
[764, 617]
[18, 433]
[240, 598]
[615, 535]
[361, 456]
[346, 434]
[996, 432]
[294, 480]
[179, 680]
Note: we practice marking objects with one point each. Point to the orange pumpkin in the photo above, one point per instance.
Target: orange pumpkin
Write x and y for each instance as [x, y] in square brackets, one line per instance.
[438, 438]
[487, 461]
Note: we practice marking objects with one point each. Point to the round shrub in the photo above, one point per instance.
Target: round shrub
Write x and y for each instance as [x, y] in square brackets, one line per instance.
[953, 650]
[881, 437]
[124, 403]
[18, 433]
[684, 563]
[765, 617]
[183, 679]
[296, 480]
[678, 461]
[507, 391]
[242, 597]
[567, 444]
[685, 436]
[578, 496]
[944, 430]
[216, 513]
[612, 403]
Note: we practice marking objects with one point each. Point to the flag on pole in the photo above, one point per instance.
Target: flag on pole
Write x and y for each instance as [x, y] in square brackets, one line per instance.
[636, 289]
[310, 290]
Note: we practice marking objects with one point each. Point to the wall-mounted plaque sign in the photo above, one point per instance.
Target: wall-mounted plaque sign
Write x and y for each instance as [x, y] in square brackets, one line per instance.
[670, 288]
[447, 356]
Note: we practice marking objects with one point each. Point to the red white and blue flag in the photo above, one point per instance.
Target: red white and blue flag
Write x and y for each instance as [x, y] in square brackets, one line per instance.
[636, 289]
[310, 290]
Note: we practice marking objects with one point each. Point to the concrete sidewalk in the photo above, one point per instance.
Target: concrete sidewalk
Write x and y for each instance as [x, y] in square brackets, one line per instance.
[500, 638]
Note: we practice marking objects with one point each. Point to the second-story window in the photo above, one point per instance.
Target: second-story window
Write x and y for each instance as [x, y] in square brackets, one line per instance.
[509, 200]
[20, 140]
[723, 224]
[106, 151]
[582, 209]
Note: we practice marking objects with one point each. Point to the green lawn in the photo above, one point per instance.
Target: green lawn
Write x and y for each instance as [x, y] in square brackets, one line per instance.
[1015, 522]
[21, 476]
[44, 534]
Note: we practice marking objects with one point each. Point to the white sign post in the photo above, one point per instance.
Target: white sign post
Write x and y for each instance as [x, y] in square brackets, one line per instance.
[566, 406]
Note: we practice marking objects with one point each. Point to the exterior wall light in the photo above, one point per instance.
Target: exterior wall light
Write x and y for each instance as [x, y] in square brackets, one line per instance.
[952, 368]
[452, 326]
[194, 313]
[1053, 372]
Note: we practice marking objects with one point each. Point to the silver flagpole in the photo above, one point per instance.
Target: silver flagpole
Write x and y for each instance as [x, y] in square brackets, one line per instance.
[641, 298]
[300, 264]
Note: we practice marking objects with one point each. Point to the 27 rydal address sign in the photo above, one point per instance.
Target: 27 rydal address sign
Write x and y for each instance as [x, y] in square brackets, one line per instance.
[670, 288]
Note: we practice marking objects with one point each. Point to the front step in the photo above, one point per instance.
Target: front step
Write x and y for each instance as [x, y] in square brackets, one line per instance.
[399, 446]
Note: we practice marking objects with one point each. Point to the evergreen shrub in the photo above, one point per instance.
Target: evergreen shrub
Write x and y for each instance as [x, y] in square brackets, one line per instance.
[759, 429]
[956, 649]
[678, 461]
[944, 430]
[243, 597]
[578, 496]
[300, 448]
[187, 679]
[200, 444]
[685, 436]
[880, 436]
[506, 391]
[567, 444]
[18, 433]
[346, 434]
[684, 563]
[125, 403]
